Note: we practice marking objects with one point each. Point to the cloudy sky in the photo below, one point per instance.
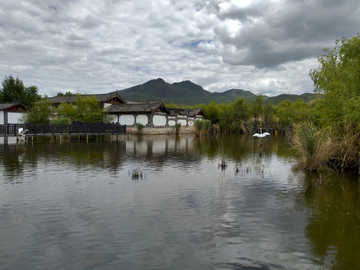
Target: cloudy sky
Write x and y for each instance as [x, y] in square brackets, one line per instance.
[97, 46]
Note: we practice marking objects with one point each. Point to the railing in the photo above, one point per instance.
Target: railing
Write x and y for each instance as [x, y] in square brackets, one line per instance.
[55, 129]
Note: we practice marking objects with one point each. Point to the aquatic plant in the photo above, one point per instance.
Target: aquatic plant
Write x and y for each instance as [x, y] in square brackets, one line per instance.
[317, 148]
[140, 127]
[219, 146]
[177, 128]
[197, 127]
[201, 127]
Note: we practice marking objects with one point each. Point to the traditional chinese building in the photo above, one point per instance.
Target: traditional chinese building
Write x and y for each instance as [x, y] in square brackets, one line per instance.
[11, 113]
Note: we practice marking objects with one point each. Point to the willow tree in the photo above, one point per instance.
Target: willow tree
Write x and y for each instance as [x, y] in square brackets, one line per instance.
[338, 79]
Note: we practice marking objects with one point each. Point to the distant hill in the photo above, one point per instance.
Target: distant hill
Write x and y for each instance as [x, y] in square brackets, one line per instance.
[307, 97]
[189, 93]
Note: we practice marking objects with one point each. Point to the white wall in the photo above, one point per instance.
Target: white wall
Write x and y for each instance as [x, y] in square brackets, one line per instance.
[14, 117]
[142, 119]
[159, 120]
[113, 119]
[1, 117]
[171, 123]
[127, 120]
[182, 122]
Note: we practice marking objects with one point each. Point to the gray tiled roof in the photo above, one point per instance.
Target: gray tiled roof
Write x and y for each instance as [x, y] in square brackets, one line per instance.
[136, 107]
[72, 98]
[8, 105]
[188, 112]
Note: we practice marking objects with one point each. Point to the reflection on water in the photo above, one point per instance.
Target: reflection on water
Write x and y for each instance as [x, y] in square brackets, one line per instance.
[162, 202]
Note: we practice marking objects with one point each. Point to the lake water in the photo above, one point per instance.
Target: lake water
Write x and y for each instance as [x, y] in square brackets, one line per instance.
[164, 202]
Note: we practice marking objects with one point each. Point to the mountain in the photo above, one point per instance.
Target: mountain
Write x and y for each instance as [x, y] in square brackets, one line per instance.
[185, 92]
[307, 97]
[189, 93]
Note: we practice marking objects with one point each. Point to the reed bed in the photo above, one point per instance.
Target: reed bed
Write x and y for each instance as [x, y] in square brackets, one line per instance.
[320, 149]
[201, 127]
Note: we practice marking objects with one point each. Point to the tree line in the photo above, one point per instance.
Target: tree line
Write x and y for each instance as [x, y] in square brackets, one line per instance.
[245, 116]
[326, 131]
[237, 116]
[86, 109]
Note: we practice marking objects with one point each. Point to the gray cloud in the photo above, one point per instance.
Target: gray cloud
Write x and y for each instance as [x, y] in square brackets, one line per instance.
[99, 46]
[286, 31]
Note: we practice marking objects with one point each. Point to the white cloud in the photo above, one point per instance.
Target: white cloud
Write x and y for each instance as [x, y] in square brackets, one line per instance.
[99, 46]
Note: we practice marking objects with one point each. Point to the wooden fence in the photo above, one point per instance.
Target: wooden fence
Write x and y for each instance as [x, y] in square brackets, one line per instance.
[72, 129]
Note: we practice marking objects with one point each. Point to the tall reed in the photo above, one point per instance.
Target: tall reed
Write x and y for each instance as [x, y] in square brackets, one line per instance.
[177, 128]
[320, 149]
[201, 127]
[140, 127]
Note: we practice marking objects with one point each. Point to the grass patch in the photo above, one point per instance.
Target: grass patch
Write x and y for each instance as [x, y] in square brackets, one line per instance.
[320, 149]
[201, 127]
[140, 127]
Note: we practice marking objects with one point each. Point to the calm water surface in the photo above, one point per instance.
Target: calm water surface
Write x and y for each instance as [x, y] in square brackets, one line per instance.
[80, 205]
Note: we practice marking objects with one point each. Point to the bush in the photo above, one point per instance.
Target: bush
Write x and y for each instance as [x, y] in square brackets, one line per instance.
[177, 128]
[321, 149]
[201, 127]
[40, 113]
[139, 127]
[61, 121]
[316, 147]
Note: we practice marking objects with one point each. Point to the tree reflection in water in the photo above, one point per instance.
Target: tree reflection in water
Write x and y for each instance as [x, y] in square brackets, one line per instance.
[332, 200]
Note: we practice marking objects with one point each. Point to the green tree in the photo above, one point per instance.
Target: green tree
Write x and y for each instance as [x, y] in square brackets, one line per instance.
[40, 113]
[269, 114]
[213, 112]
[257, 108]
[240, 111]
[89, 109]
[68, 93]
[284, 111]
[13, 90]
[67, 110]
[293, 112]
[225, 116]
[338, 79]
[86, 109]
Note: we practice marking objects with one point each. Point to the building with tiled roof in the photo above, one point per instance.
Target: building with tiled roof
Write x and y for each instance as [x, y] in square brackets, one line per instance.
[105, 99]
[12, 112]
[150, 113]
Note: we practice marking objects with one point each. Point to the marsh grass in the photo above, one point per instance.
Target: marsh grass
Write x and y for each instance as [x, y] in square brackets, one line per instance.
[201, 127]
[219, 146]
[320, 149]
[177, 128]
[140, 127]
